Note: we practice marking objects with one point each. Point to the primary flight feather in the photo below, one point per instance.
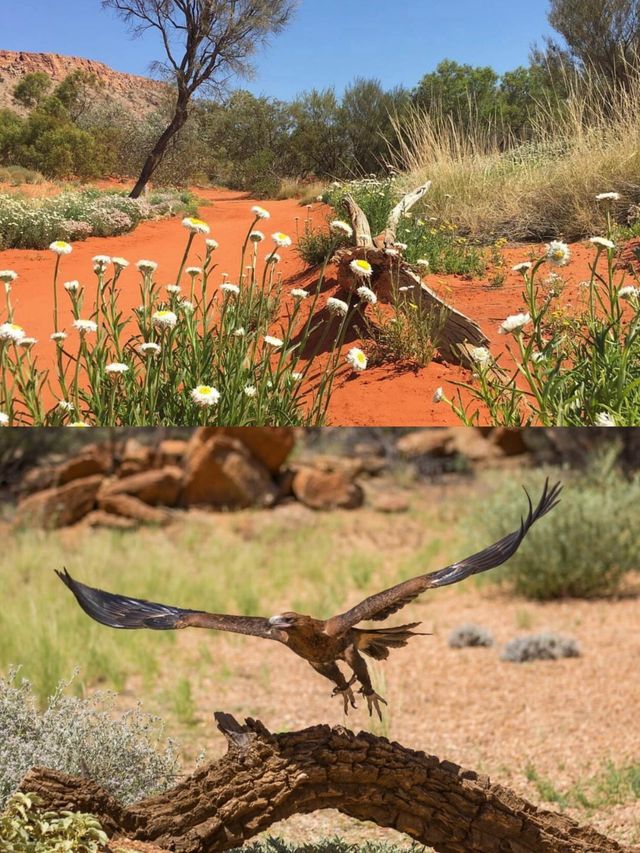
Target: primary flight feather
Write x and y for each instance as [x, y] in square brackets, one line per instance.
[320, 642]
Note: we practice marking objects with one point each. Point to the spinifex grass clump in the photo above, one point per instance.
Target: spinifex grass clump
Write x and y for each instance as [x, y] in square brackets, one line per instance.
[191, 353]
[579, 372]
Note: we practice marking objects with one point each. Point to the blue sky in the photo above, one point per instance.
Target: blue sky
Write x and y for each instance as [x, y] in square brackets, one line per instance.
[328, 44]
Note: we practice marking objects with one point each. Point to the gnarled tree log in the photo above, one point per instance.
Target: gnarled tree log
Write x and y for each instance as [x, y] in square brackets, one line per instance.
[390, 273]
[267, 777]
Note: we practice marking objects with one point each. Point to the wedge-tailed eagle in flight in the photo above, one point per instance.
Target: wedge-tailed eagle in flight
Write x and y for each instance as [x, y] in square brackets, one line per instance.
[321, 643]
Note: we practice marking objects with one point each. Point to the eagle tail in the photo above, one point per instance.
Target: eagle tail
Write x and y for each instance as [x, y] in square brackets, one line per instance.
[376, 642]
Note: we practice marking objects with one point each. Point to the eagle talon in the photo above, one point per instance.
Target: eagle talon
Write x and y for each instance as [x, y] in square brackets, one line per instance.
[347, 697]
[373, 702]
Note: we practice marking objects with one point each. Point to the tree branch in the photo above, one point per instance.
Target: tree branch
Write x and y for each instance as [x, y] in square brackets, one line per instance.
[265, 778]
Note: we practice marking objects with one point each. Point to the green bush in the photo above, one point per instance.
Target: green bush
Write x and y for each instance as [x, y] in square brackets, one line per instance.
[25, 828]
[328, 845]
[316, 246]
[583, 548]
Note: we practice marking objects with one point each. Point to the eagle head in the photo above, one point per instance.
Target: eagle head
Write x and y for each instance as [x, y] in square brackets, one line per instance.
[284, 621]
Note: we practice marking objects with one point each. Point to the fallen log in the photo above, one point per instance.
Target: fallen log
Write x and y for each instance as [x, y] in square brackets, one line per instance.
[392, 275]
[265, 778]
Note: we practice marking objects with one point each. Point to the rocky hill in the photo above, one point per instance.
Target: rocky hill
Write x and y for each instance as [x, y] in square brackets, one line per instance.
[138, 94]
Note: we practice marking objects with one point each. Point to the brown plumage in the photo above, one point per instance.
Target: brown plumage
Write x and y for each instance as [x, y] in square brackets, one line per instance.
[321, 643]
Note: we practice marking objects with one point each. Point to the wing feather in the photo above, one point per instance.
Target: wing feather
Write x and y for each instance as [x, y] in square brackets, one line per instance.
[384, 604]
[118, 611]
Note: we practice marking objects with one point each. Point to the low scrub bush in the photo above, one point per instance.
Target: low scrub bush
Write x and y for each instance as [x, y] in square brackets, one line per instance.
[125, 754]
[406, 333]
[191, 354]
[328, 845]
[17, 175]
[27, 223]
[26, 828]
[469, 636]
[540, 647]
[584, 548]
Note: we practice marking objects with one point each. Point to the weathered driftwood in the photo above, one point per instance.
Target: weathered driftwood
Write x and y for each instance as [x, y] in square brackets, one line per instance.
[391, 272]
[267, 777]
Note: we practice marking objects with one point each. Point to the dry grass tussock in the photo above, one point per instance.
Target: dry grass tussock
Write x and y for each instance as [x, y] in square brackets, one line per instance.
[540, 189]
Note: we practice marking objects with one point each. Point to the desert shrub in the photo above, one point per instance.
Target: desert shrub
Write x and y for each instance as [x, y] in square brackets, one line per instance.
[27, 223]
[26, 828]
[406, 334]
[125, 754]
[316, 245]
[583, 548]
[328, 845]
[469, 636]
[17, 175]
[540, 647]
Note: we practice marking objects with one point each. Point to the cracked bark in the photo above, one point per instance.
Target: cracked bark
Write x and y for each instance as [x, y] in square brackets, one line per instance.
[265, 778]
[391, 272]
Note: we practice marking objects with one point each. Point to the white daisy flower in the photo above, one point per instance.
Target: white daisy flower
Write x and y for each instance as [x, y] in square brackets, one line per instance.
[116, 368]
[72, 286]
[357, 360]
[401, 247]
[60, 247]
[423, 262]
[392, 253]
[558, 253]
[299, 293]
[164, 319]
[58, 337]
[256, 236]
[537, 357]
[149, 348]
[147, 266]
[173, 289]
[101, 262]
[250, 391]
[239, 333]
[337, 306]
[4, 419]
[212, 245]
[480, 355]
[230, 289]
[260, 212]
[342, 228]
[193, 271]
[514, 324]
[7, 276]
[602, 243]
[85, 326]
[276, 343]
[65, 406]
[629, 292]
[604, 419]
[406, 288]
[608, 197]
[361, 269]
[274, 258]
[523, 268]
[205, 395]
[367, 295]
[195, 225]
[438, 396]
[120, 263]
[27, 343]
[11, 332]
[186, 305]
[282, 241]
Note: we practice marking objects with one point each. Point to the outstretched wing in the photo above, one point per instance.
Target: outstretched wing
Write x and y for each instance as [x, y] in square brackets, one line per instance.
[382, 605]
[116, 611]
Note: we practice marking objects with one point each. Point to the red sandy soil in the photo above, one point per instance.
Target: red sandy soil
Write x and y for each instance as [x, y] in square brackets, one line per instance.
[386, 395]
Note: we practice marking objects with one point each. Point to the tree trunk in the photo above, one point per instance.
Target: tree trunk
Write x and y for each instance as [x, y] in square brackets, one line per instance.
[158, 151]
[455, 331]
[267, 777]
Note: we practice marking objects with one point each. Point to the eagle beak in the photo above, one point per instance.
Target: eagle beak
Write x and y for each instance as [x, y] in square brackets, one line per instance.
[279, 622]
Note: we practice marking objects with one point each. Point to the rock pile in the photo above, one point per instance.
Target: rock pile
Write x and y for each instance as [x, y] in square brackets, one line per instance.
[128, 483]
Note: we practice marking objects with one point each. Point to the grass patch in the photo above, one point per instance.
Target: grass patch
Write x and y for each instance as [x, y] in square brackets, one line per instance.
[611, 786]
[328, 845]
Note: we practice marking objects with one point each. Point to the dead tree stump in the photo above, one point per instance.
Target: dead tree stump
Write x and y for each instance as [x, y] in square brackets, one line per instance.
[391, 272]
[267, 777]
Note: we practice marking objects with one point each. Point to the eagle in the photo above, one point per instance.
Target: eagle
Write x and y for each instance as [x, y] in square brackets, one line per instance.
[322, 643]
